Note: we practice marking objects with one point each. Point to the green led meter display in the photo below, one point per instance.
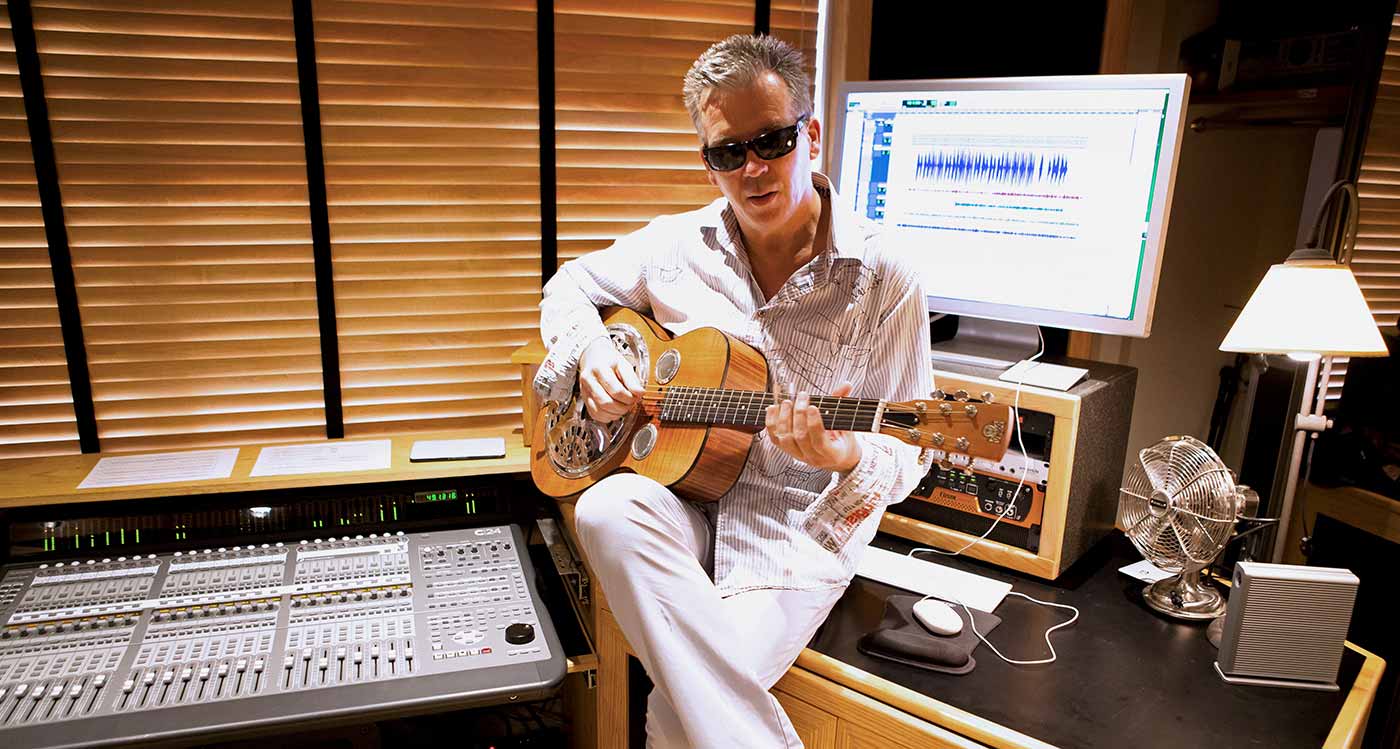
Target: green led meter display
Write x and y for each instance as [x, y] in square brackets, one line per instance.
[444, 495]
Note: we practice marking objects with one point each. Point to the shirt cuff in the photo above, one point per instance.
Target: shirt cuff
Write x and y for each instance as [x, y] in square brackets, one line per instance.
[852, 497]
[554, 381]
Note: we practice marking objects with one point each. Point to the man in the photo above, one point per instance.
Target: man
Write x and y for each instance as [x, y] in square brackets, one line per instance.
[718, 599]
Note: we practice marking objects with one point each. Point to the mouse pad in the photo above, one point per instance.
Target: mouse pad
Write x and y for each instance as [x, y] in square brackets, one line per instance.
[901, 638]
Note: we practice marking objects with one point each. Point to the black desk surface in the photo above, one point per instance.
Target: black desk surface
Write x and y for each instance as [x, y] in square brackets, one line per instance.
[1126, 676]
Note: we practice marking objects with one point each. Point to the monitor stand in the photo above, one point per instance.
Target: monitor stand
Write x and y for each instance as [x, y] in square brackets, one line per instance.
[985, 347]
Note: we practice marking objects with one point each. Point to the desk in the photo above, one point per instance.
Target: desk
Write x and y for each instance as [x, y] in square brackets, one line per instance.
[46, 481]
[1125, 677]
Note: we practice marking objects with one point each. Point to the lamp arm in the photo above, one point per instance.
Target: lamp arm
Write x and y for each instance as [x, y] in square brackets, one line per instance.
[1348, 239]
[1348, 245]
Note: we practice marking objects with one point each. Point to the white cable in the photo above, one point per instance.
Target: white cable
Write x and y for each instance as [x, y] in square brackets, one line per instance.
[1025, 465]
[1011, 506]
[972, 620]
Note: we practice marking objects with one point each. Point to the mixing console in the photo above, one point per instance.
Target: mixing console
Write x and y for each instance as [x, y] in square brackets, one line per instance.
[238, 639]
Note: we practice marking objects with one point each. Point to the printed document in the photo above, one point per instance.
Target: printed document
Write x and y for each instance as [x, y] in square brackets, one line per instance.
[161, 468]
[323, 457]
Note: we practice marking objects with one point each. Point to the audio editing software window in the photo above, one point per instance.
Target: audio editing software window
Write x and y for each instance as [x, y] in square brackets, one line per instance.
[996, 192]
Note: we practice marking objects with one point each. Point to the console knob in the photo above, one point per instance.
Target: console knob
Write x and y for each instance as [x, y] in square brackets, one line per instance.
[519, 634]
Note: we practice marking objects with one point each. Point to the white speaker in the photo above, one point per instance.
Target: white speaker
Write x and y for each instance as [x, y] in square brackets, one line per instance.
[1285, 625]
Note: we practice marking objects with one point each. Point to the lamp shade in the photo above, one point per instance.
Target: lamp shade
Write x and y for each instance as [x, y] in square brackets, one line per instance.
[1314, 307]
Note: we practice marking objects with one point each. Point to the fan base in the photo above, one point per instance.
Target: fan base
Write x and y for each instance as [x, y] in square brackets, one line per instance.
[1185, 597]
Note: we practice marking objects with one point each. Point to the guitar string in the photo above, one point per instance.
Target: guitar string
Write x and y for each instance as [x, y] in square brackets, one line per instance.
[693, 396]
[714, 403]
[715, 400]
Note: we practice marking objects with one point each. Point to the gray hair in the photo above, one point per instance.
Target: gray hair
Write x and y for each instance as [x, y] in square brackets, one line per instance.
[740, 60]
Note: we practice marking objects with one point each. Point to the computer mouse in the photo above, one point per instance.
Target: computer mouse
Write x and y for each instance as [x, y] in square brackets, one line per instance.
[938, 617]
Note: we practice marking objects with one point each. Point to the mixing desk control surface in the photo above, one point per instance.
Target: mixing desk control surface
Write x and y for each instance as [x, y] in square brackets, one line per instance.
[237, 639]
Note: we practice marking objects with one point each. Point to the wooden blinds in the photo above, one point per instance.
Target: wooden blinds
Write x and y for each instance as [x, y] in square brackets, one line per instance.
[626, 149]
[36, 401]
[181, 160]
[177, 133]
[1376, 261]
[430, 121]
[795, 22]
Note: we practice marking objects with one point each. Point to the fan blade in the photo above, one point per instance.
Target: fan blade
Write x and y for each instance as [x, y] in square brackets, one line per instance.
[1200, 548]
[1181, 542]
[1173, 478]
[1163, 549]
[1131, 531]
[1149, 470]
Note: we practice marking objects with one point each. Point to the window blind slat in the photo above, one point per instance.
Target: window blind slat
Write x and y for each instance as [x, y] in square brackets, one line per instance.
[407, 361]
[36, 401]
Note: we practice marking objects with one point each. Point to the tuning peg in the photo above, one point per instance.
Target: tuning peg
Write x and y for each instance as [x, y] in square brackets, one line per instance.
[945, 408]
[988, 396]
[963, 444]
[938, 394]
[971, 410]
[961, 396]
[938, 439]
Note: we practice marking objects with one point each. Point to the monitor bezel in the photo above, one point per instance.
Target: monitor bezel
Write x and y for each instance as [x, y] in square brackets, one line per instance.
[1178, 87]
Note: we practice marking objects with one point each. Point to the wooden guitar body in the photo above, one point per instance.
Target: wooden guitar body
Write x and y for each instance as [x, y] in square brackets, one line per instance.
[697, 461]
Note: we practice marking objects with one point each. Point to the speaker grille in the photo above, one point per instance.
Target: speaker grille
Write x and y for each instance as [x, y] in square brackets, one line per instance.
[1289, 623]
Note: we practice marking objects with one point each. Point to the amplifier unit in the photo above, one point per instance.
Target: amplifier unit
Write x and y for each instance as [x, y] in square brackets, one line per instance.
[1285, 625]
[1068, 476]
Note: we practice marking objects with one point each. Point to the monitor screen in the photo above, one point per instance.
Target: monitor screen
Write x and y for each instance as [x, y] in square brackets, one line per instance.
[1033, 200]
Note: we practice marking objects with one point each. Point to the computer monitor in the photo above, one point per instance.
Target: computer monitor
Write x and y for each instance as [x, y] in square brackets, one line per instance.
[1024, 200]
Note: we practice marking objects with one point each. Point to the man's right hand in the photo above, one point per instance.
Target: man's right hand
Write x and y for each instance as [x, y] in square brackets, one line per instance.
[608, 383]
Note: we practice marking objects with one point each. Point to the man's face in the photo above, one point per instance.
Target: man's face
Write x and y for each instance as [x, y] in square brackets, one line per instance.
[766, 195]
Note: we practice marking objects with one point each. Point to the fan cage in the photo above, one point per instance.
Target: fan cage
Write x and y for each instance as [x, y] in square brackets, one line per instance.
[1178, 504]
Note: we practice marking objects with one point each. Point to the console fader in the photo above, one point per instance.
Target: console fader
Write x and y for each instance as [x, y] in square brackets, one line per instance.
[230, 639]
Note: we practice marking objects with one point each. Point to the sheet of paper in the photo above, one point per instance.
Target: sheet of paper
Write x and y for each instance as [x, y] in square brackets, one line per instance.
[1145, 571]
[1040, 374]
[322, 457]
[161, 468]
[484, 447]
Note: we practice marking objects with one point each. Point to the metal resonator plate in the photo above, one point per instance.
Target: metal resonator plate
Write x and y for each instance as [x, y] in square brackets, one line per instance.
[576, 443]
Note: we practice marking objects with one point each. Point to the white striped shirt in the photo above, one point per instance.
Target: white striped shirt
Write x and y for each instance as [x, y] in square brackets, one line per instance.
[851, 314]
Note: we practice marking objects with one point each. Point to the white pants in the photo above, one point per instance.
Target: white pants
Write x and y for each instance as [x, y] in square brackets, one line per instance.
[711, 659]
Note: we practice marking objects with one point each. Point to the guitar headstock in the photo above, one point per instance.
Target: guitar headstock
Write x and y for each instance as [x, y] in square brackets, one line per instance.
[953, 422]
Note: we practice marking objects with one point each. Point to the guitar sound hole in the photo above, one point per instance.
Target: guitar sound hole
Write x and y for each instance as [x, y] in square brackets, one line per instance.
[667, 365]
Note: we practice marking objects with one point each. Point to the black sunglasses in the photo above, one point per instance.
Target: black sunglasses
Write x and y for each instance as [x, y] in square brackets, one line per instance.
[773, 144]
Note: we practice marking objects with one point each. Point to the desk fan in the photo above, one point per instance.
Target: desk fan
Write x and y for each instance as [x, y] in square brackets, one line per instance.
[1178, 505]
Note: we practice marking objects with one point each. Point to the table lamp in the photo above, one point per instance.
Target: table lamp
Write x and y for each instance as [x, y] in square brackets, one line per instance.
[1309, 307]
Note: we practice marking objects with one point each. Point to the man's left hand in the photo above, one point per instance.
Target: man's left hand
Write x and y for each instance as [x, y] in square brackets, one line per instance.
[795, 426]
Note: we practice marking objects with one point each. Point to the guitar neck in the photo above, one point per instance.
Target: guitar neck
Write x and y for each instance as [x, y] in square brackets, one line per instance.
[745, 408]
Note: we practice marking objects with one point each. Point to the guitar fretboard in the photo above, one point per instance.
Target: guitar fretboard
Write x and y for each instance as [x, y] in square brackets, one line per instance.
[690, 405]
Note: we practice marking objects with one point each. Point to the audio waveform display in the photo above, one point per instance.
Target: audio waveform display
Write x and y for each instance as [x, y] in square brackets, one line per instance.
[1014, 168]
[976, 230]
